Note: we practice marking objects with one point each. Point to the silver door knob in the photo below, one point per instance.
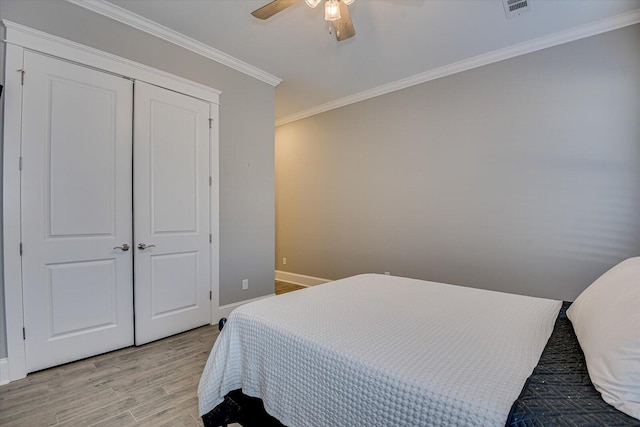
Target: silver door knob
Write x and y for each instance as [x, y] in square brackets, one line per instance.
[124, 247]
[142, 246]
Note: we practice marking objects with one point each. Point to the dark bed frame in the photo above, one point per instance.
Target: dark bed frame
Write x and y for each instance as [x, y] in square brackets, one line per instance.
[240, 408]
[558, 392]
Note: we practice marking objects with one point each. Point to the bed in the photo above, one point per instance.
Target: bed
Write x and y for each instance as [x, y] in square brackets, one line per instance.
[377, 350]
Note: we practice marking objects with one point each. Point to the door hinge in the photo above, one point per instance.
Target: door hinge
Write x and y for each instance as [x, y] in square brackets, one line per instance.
[210, 181]
[210, 123]
[210, 238]
[22, 77]
[20, 248]
[24, 333]
[20, 163]
[210, 295]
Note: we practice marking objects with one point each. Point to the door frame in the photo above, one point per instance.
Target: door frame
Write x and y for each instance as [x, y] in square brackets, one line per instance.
[19, 38]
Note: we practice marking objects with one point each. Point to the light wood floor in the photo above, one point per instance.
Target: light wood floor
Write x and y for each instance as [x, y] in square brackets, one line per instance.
[151, 385]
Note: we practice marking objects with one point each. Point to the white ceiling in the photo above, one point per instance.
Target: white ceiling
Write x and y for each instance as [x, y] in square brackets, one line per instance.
[395, 39]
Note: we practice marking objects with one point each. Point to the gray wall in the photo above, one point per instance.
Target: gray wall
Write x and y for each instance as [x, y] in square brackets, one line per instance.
[246, 134]
[521, 176]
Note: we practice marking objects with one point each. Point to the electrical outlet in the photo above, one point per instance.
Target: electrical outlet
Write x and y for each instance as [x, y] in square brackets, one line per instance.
[245, 284]
[284, 261]
[387, 273]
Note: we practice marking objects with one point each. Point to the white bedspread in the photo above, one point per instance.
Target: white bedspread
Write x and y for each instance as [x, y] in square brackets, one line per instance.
[375, 350]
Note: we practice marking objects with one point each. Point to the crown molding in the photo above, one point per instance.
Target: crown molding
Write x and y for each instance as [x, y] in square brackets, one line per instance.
[141, 23]
[39, 41]
[577, 33]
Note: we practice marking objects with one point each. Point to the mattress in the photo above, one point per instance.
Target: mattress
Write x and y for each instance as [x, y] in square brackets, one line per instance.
[559, 391]
[380, 350]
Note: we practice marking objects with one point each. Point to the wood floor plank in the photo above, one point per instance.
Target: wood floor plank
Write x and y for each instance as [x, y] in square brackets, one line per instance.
[124, 419]
[160, 404]
[21, 394]
[83, 418]
[182, 384]
[178, 410]
[49, 403]
[37, 419]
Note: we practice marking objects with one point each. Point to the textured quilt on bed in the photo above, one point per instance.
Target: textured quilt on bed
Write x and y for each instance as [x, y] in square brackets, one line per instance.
[559, 391]
[378, 350]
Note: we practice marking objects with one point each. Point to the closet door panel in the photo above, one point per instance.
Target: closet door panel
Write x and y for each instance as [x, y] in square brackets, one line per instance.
[171, 193]
[76, 208]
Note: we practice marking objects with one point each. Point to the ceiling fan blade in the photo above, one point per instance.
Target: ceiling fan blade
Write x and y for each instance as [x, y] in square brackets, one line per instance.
[272, 8]
[344, 26]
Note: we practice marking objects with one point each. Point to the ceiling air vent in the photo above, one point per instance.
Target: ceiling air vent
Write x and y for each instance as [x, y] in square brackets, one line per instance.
[515, 8]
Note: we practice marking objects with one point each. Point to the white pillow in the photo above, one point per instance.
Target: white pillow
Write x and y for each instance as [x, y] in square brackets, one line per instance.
[606, 319]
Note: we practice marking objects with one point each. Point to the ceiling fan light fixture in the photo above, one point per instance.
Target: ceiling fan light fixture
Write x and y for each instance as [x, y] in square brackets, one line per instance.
[313, 3]
[335, 11]
[331, 10]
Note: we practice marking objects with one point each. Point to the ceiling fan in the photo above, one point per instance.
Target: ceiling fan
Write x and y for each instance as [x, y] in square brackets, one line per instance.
[335, 11]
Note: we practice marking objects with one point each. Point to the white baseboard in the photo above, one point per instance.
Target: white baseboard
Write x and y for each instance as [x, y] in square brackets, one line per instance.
[299, 279]
[225, 310]
[4, 371]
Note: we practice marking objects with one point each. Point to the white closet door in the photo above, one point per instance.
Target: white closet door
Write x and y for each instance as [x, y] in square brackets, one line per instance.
[76, 207]
[171, 193]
